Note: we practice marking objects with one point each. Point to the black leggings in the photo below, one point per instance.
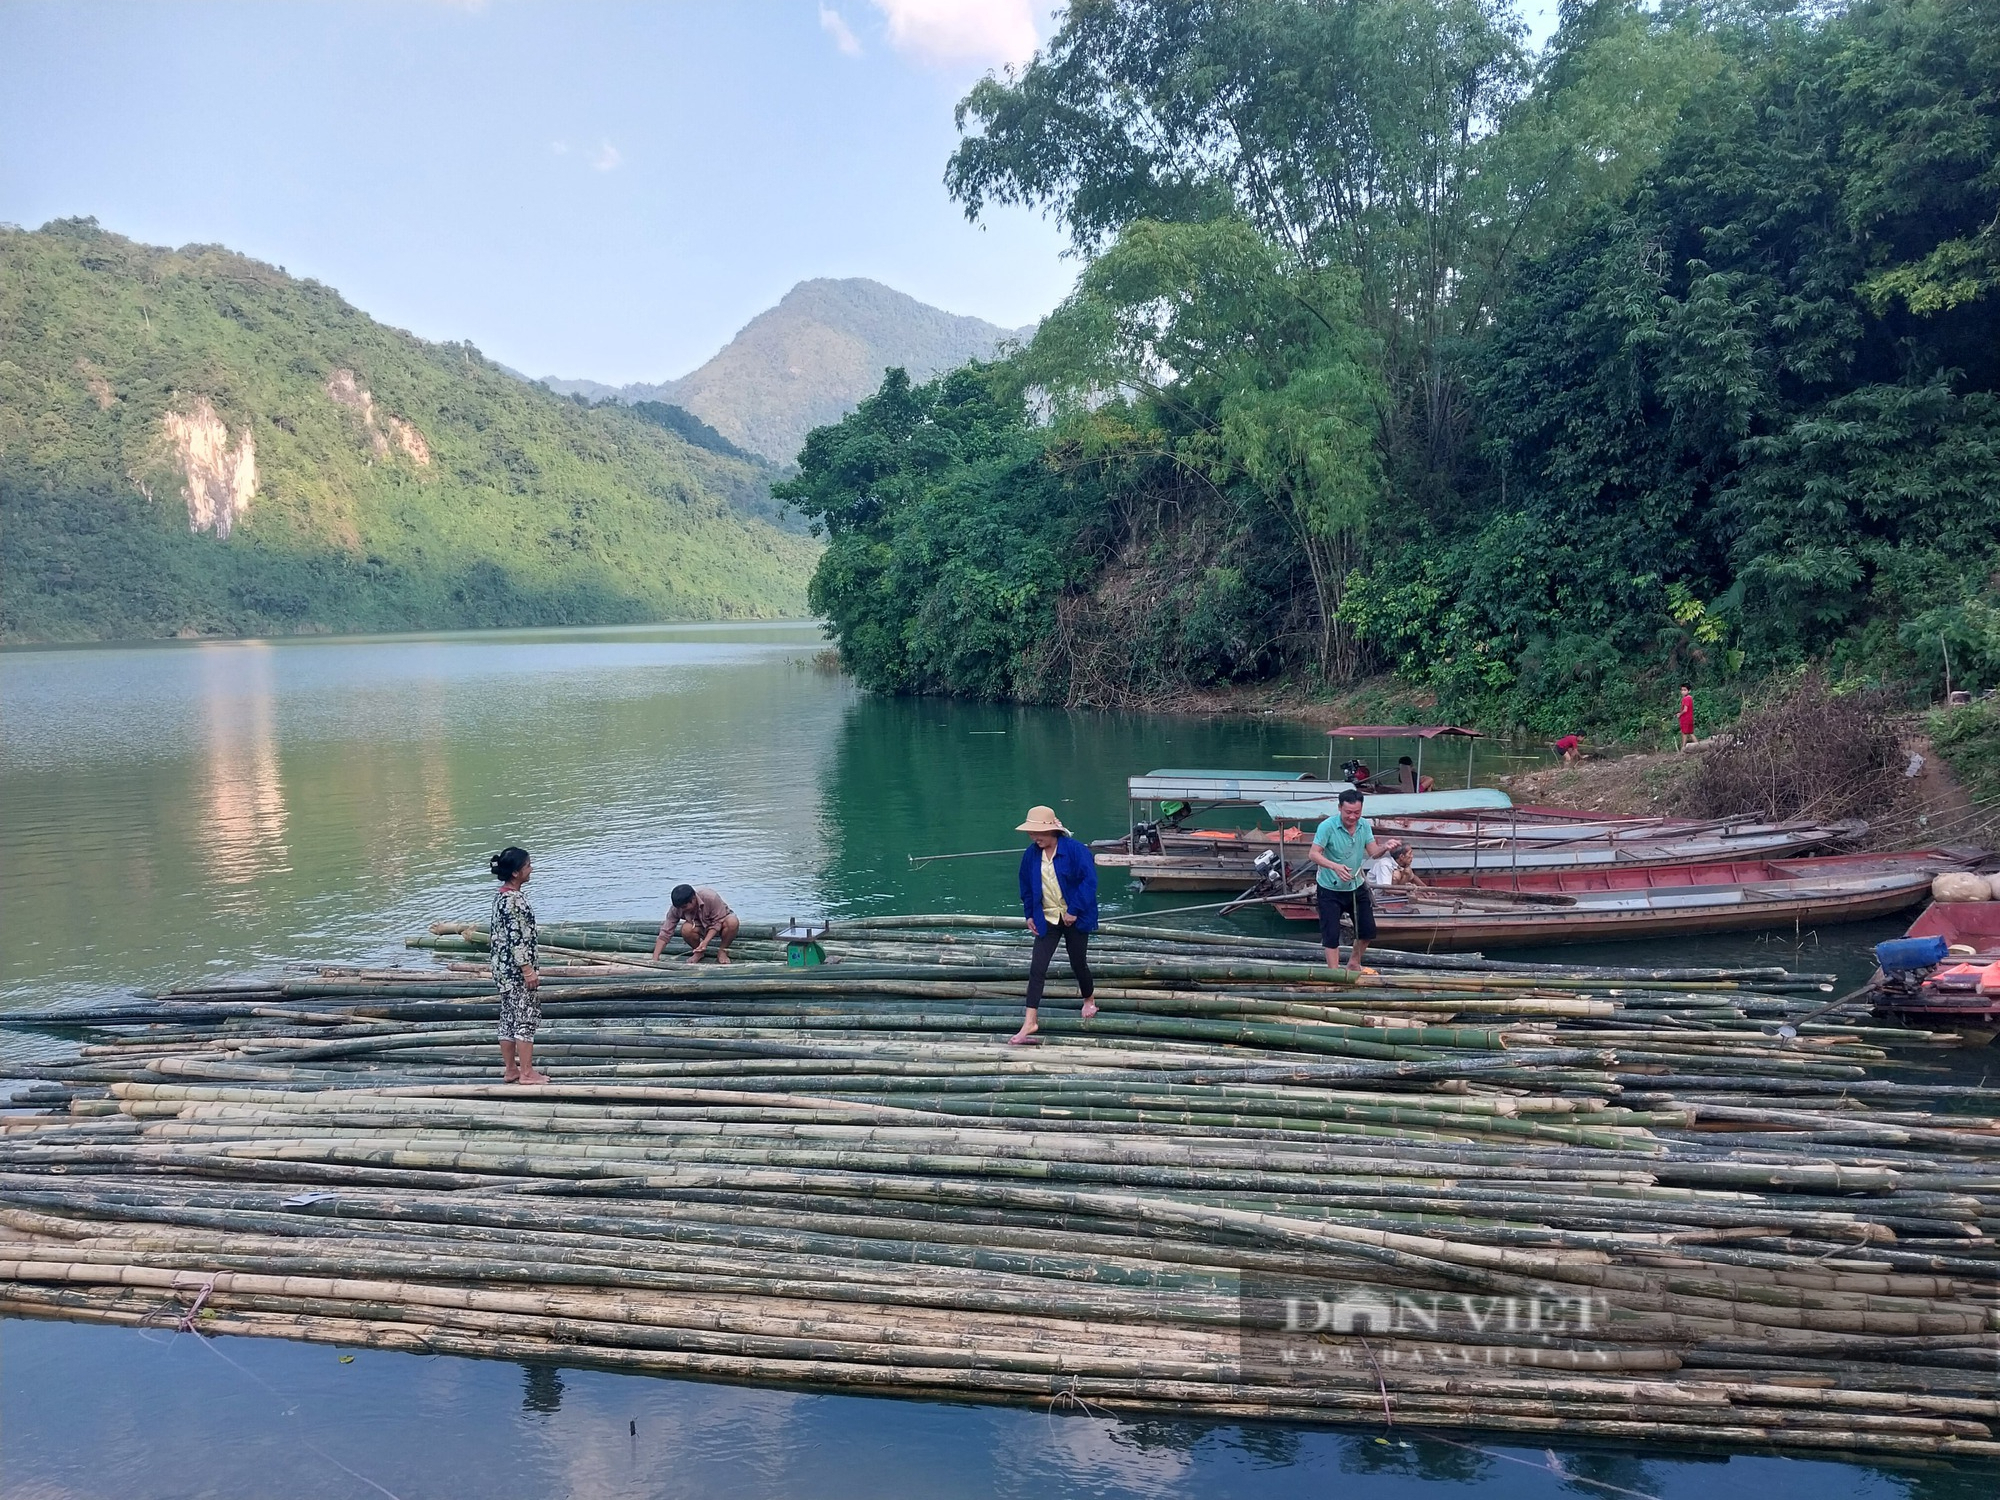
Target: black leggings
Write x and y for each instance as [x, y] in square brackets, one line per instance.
[1076, 940]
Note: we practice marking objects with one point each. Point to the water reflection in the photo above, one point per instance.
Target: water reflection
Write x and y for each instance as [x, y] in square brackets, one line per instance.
[102, 1412]
[241, 828]
[541, 1388]
[174, 812]
[1461, 1464]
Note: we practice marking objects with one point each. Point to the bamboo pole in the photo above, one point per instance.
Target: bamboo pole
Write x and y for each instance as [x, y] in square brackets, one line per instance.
[840, 1177]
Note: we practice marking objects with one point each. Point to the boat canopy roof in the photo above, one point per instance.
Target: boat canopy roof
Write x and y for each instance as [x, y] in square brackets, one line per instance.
[1401, 732]
[1393, 804]
[1245, 787]
[1235, 775]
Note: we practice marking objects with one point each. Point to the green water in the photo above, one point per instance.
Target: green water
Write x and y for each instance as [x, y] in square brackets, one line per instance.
[169, 812]
[177, 811]
[173, 811]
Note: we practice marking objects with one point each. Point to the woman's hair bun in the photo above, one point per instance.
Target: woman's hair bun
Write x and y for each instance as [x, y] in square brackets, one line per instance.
[508, 863]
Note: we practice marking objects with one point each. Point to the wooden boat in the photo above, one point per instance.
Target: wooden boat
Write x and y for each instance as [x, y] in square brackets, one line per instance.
[1477, 830]
[1578, 906]
[1227, 861]
[1950, 995]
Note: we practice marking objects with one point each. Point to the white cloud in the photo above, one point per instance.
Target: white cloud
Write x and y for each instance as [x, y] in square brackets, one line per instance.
[843, 36]
[959, 31]
[606, 158]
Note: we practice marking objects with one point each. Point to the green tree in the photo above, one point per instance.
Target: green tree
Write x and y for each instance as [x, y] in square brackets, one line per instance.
[1206, 345]
[1702, 394]
[950, 535]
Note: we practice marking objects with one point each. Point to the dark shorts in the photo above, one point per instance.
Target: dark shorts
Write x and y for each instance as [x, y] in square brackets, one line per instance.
[1359, 908]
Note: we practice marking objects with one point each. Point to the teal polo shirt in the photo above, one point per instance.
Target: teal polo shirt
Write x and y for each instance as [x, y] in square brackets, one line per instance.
[1350, 849]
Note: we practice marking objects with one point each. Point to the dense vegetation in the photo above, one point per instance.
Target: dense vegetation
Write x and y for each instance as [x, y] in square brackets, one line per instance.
[399, 484]
[1548, 381]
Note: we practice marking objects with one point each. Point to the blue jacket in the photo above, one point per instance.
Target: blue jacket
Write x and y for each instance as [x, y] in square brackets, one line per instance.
[1076, 873]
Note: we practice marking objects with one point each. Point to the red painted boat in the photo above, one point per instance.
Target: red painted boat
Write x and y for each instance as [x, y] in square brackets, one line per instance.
[1951, 995]
[1632, 901]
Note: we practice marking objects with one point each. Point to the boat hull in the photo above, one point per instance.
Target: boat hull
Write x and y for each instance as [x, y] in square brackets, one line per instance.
[1467, 928]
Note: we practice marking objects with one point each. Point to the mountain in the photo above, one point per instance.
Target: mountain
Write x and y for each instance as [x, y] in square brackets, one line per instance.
[194, 443]
[809, 361]
[591, 390]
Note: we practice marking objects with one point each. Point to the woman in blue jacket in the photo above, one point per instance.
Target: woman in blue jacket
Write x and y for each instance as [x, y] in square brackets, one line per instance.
[1059, 899]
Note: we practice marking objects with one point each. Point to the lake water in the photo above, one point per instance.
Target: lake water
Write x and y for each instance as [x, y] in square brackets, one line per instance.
[174, 811]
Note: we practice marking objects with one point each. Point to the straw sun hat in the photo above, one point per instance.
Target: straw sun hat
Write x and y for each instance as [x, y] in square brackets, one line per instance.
[1042, 820]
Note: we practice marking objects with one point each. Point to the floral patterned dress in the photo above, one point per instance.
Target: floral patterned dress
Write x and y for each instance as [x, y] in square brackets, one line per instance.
[513, 942]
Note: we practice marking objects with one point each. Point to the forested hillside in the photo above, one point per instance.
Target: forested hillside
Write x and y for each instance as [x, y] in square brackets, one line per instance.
[1546, 381]
[192, 442]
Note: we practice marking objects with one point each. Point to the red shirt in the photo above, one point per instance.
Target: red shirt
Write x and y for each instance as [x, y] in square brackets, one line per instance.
[1687, 713]
[1566, 744]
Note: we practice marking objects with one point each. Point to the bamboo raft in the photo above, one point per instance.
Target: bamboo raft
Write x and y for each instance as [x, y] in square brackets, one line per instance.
[839, 1177]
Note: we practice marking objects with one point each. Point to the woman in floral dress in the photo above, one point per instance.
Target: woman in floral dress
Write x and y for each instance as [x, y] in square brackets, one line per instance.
[512, 938]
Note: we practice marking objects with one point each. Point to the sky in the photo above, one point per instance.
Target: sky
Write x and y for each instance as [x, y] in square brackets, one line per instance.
[583, 188]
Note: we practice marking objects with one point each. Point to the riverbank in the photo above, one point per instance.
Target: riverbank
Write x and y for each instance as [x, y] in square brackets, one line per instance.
[1931, 805]
[1944, 783]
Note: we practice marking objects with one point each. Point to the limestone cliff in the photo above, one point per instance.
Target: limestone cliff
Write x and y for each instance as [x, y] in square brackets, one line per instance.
[220, 477]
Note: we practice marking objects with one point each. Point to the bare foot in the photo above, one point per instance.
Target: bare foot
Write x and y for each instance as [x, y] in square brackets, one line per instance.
[1089, 1009]
[510, 1077]
[533, 1077]
[722, 957]
[1024, 1037]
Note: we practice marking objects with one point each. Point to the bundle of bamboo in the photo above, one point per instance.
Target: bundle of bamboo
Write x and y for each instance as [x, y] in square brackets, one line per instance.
[1467, 1194]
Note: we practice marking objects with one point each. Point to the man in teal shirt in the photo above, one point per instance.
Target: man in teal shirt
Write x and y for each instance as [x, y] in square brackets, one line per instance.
[1342, 848]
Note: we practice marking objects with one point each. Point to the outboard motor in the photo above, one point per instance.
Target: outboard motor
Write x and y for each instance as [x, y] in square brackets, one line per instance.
[1907, 962]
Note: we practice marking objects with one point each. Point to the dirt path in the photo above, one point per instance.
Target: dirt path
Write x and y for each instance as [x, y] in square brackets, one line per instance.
[1638, 785]
[1929, 807]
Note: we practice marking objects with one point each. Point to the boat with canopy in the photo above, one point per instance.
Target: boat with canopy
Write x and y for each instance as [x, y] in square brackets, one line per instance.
[1474, 829]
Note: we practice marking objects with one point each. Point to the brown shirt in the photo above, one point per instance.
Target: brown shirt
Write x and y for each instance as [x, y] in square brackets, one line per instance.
[706, 911]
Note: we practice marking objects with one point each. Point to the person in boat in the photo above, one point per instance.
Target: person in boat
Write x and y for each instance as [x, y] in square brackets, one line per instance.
[511, 938]
[1407, 779]
[1394, 871]
[1687, 716]
[1569, 748]
[701, 917]
[1342, 848]
[1059, 899]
